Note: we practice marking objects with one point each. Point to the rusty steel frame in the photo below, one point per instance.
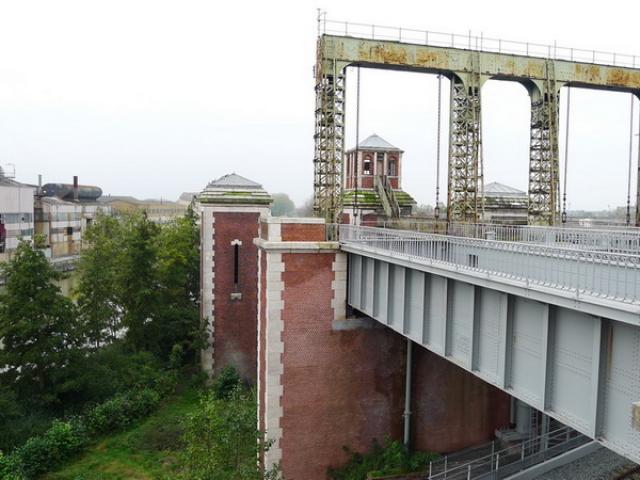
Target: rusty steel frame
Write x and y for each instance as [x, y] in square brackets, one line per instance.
[469, 67]
[329, 140]
[544, 163]
[464, 151]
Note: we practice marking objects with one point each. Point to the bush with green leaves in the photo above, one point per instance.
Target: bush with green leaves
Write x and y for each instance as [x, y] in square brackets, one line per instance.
[43, 453]
[226, 383]
[390, 458]
[222, 441]
[121, 411]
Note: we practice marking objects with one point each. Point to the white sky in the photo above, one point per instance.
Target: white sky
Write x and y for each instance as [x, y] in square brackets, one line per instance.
[153, 98]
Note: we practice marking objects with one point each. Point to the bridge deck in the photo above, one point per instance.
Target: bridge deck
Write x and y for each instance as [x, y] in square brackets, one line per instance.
[558, 328]
[585, 272]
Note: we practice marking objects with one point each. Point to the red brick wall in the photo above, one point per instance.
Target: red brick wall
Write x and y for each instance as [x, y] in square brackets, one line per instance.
[452, 409]
[301, 232]
[235, 335]
[366, 181]
[341, 388]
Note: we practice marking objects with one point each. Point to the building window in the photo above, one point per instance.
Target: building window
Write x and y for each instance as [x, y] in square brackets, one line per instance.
[69, 230]
[392, 168]
[236, 295]
[367, 167]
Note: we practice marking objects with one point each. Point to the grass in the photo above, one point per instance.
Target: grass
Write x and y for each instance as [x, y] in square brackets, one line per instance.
[148, 451]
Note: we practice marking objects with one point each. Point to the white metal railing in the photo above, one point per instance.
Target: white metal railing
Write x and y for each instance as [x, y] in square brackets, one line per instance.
[614, 276]
[605, 239]
[509, 460]
[474, 42]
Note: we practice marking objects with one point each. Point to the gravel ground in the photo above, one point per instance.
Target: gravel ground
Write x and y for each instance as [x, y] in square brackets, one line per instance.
[597, 466]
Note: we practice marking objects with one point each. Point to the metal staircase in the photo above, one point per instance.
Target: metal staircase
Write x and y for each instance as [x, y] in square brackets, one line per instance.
[387, 197]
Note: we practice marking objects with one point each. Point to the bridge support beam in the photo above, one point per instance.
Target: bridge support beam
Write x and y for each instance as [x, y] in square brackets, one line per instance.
[407, 394]
[544, 164]
[329, 139]
[464, 150]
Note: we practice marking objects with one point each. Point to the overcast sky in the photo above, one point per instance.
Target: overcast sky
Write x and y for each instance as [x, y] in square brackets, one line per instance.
[153, 98]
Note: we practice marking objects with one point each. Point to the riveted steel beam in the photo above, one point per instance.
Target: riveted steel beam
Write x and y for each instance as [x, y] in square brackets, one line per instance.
[544, 164]
[329, 138]
[464, 148]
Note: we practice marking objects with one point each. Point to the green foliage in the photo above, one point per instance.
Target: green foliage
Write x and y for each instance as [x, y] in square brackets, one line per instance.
[66, 438]
[222, 441]
[121, 411]
[37, 327]
[282, 205]
[98, 266]
[177, 273]
[43, 453]
[226, 383]
[387, 459]
[136, 282]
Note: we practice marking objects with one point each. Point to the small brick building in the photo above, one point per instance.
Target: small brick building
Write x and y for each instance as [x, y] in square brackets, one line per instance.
[373, 182]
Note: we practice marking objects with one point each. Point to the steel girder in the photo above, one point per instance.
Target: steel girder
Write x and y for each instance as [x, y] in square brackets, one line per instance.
[329, 140]
[464, 151]
[544, 164]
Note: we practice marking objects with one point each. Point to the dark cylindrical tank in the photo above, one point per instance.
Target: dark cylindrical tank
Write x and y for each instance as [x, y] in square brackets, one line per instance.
[64, 191]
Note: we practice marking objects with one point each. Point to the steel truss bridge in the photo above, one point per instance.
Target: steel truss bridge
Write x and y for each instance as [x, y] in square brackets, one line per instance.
[549, 315]
[468, 62]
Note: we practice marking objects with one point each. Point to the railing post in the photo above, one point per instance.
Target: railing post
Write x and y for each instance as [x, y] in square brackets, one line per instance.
[469, 472]
[445, 467]
[522, 453]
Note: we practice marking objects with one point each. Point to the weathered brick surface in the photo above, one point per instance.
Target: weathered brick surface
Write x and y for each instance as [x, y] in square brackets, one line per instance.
[298, 232]
[235, 327]
[452, 409]
[341, 388]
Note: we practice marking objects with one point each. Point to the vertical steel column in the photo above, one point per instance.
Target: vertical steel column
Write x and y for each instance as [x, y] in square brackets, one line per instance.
[464, 148]
[544, 153]
[329, 137]
[407, 394]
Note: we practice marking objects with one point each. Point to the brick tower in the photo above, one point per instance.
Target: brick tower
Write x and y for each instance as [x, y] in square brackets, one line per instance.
[231, 208]
[373, 182]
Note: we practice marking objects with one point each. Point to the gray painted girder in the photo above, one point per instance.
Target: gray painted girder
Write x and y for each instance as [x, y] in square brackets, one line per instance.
[575, 367]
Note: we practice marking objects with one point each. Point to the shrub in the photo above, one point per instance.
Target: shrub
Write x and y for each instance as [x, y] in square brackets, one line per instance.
[43, 453]
[226, 383]
[121, 411]
[387, 459]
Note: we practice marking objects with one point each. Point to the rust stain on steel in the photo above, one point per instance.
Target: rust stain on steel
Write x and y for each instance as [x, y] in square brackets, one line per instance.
[429, 58]
[590, 73]
[623, 78]
[534, 70]
[388, 54]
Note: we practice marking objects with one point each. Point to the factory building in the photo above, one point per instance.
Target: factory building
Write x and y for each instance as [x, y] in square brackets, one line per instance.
[62, 214]
[16, 213]
[504, 204]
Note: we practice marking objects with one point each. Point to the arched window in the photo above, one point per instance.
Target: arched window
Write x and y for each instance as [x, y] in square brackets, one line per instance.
[366, 170]
[392, 169]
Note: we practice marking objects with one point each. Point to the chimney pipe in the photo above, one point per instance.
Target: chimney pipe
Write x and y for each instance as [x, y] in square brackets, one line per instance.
[75, 188]
[39, 191]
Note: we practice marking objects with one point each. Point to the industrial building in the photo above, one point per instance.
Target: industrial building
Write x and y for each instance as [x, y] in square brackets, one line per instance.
[16, 213]
[158, 211]
[62, 214]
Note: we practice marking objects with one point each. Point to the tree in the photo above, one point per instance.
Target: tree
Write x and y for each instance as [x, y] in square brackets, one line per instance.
[37, 326]
[178, 283]
[222, 441]
[136, 289]
[97, 301]
[282, 205]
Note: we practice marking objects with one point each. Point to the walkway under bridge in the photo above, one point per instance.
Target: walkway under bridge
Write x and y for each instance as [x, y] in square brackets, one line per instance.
[553, 322]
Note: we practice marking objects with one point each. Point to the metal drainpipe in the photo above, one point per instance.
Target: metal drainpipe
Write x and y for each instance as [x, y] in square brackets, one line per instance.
[407, 394]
